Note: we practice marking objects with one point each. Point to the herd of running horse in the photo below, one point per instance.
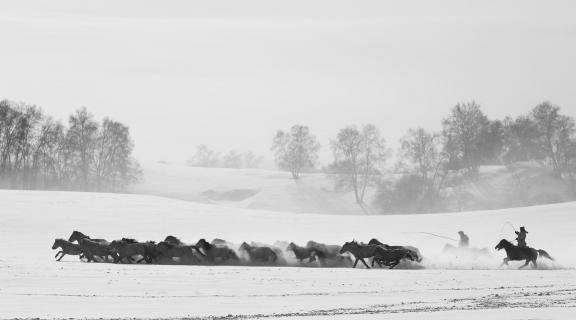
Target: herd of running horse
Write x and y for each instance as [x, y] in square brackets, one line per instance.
[171, 250]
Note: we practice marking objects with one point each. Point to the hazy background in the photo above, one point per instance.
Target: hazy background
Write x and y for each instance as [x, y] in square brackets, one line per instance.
[229, 73]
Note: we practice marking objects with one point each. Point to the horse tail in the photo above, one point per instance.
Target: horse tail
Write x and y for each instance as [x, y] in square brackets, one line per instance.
[544, 254]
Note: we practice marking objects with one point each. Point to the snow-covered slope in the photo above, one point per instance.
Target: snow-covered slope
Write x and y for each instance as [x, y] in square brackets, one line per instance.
[496, 187]
[34, 285]
[246, 188]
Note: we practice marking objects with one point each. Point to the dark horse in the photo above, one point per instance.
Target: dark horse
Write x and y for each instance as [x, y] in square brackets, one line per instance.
[302, 253]
[361, 251]
[91, 249]
[392, 257]
[77, 236]
[322, 250]
[213, 252]
[128, 248]
[263, 254]
[173, 240]
[185, 253]
[414, 252]
[515, 253]
[66, 247]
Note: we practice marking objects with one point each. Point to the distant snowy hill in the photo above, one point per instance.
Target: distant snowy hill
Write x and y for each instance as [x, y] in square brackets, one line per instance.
[497, 187]
[246, 188]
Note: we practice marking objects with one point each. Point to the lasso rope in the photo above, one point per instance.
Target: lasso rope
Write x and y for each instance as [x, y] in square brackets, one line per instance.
[433, 234]
[507, 223]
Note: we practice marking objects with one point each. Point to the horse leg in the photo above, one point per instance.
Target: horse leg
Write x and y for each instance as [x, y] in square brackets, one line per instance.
[364, 262]
[355, 263]
[525, 264]
[504, 262]
[394, 264]
[57, 253]
[535, 265]
[62, 256]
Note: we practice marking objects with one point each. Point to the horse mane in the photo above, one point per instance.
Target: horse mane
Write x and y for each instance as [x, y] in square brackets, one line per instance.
[375, 241]
[172, 238]
[205, 243]
[170, 245]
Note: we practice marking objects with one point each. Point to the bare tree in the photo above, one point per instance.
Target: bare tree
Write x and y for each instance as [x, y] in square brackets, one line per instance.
[113, 165]
[232, 159]
[359, 156]
[204, 157]
[251, 160]
[555, 136]
[418, 188]
[81, 137]
[296, 150]
[38, 152]
[521, 140]
[45, 161]
[9, 116]
[463, 133]
[420, 152]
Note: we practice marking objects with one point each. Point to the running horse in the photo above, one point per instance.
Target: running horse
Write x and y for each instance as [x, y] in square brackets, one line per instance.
[77, 236]
[516, 253]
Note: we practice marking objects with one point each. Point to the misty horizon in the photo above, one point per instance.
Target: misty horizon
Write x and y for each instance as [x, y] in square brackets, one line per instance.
[202, 75]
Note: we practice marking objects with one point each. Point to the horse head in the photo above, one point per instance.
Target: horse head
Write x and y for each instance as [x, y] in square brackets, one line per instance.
[348, 246]
[116, 244]
[311, 244]
[202, 243]
[173, 239]
[408, 254]
[56, 244]
[375, 241]
[503, 244]
[76, 236]
[128, 240]
[164, 245]
[245, 246]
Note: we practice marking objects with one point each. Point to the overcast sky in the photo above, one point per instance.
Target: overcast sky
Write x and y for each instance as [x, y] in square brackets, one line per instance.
[230, 73]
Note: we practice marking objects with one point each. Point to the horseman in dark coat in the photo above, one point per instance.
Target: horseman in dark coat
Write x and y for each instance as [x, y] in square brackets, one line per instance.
[464, 240]
[521, 237]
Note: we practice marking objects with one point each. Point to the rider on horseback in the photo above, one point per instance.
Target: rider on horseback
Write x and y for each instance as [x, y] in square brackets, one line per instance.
[464, 240]
[521, 237]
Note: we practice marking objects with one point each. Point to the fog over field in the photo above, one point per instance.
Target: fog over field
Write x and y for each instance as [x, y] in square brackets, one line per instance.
[306, 159]
[230, 74]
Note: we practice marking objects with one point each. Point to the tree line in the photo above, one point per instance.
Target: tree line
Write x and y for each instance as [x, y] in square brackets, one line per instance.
[38, 152]
[205, 157]
[430, 163]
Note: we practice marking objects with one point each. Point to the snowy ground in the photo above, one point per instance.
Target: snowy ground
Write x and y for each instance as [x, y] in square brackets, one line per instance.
[246, 188]
[32, 284]
[497, 187]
